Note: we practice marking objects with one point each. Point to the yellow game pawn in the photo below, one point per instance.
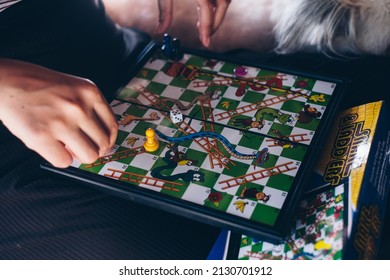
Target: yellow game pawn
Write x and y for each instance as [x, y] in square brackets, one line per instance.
[151, 144]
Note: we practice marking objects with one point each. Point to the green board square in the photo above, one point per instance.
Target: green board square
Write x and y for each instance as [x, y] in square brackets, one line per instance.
[196, 112]
[270, 161]
[177, 191]
[220, 89]
[127, 93]
[310, 219]
[141, 127]
[266, 73]
[196, 157]
[297, 152]
[253, 97]
[299, 233]
[252, 141]
[156, 88]
[196, 61]
[311, 125]
[189, 95]
[122, 135]
[180, 82]
[221, 203]
[211, 178]
[167, 123]
[227, 104]
[147, 74]
[228, 68]
[238, 169]
[279, 130]
[137, 111]
[305, 83]
[330, 211]
[257, 247]
[281, 182]
[245, 241]
[136, 170]
[126, 160]
[265, 214]
[293, 106]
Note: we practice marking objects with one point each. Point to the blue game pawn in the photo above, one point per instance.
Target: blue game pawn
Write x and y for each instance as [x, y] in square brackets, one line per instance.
[167, 46]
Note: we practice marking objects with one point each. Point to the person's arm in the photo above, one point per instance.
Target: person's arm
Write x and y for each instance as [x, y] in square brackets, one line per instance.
[210, 16]
[59, 116]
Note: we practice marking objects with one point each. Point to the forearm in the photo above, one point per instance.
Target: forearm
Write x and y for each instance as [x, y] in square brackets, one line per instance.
[246, 25]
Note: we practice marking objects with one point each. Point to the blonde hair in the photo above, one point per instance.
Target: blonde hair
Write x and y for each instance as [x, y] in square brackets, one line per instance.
[339, 27]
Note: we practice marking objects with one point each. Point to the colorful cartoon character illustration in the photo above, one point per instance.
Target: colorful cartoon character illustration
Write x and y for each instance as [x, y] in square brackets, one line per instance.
[240, 205]
[131, 141]
[215, 198]
[210, 63]
[179, 158]
[283, 140]
[175, 69]
[173, 157]
[258, 120]
[273, 82]
[248, 123]
[281, 117]
[318, 98]
[254, 193]
[127, 119]
[308, 114]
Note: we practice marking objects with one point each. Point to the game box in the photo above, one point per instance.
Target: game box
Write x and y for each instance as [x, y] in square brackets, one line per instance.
[343, 211]
[223, 142]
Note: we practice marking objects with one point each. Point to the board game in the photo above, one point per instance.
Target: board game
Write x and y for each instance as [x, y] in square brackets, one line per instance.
[223, 142]
[319, 233]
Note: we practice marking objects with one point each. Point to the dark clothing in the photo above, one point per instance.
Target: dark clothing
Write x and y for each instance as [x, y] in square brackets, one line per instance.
[72, 36]
[47, 216]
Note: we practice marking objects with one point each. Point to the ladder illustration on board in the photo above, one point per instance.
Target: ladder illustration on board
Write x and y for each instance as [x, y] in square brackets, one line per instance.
[141, 179]
[258, 175]
[218, 157]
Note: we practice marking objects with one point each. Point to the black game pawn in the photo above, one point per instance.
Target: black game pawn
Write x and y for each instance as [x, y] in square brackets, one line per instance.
[177, 50]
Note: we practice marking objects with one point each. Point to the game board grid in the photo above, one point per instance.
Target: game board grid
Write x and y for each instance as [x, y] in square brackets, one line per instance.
[318, 232]
[178, 93]
[144, 162]
[152, 92]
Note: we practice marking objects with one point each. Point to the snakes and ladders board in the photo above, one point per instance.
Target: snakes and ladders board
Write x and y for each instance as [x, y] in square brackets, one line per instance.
[236, 141]
[319, 231]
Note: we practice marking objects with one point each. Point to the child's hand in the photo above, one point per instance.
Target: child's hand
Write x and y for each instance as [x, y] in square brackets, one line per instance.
[59, 116]
[210, 16]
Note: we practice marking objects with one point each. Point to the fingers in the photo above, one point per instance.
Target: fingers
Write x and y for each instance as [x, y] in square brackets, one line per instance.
[220, 12]
[106, 118]
[98, 126]
[54, 152]
[211, 15]
[205, 21]
[87, 128]
[165, 8]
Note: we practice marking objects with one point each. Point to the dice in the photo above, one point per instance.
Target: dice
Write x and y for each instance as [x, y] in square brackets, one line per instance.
[176, 116]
